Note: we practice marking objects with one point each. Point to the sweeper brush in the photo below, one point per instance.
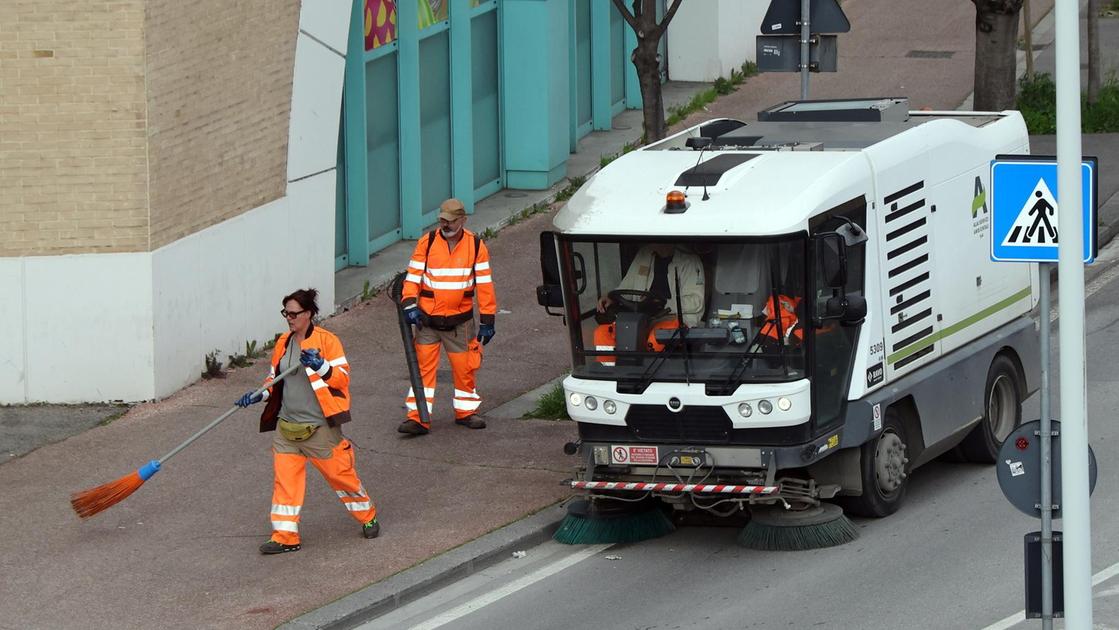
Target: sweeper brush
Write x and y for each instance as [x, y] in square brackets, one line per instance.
[777, 529]
[604, 521]
[89, 502]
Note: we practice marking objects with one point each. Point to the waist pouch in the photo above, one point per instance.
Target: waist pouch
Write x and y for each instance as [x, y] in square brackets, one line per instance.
[448, 322]
[296, 431]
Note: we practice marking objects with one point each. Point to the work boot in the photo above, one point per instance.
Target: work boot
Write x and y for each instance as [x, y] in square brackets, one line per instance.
[372, 529]
[272, 547]
[411, 427]
[473, 421]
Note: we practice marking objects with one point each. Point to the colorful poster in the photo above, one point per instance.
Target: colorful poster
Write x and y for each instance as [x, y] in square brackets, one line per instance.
[431, 12]
[380, 23]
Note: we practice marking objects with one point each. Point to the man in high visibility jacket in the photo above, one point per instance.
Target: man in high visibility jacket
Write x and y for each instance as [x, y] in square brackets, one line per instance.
[790, 330]
[449, 268]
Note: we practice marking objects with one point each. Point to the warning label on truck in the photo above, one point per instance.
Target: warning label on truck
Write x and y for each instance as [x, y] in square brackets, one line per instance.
[634, 455]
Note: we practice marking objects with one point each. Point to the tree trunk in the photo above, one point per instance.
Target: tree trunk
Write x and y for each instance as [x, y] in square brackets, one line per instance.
[649, 78]
[1093, 51]
[996, 41]
[643, 21]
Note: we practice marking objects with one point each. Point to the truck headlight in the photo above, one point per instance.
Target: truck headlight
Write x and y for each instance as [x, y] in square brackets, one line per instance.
[765, 406]
[784, 404]
[609, 407]
[575, 399]
[745, 410]
[591, 403]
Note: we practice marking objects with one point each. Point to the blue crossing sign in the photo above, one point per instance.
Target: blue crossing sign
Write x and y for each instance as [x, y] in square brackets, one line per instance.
[1024, 208]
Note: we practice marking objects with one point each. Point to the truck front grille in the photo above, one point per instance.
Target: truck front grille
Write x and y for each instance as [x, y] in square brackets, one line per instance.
[692, 425]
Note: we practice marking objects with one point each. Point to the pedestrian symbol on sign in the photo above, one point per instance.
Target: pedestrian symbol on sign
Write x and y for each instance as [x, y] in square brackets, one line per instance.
[1036, 223]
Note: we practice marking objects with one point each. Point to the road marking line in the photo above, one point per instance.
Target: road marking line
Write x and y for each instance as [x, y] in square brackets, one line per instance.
[510, 588]
[1020, 616]
[1093, 286]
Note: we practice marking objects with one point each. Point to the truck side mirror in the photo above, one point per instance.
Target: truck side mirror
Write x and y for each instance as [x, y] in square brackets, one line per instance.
[831, 256]
[549, 295]
[850, 310]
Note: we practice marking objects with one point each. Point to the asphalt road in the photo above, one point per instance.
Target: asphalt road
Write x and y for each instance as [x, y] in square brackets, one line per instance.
[951, 558]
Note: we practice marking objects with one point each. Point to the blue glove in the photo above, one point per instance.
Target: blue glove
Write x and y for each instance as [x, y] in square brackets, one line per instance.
[248, 399]
[414, 317]
[310, 358]
[485, 333]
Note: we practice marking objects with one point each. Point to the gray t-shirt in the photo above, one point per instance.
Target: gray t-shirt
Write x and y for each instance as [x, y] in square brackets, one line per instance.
[299, 403]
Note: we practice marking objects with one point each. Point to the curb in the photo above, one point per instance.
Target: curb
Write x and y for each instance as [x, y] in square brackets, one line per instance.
[431, 575]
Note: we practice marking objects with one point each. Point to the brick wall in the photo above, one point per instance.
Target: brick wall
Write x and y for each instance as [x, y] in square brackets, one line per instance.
[73, 165]
[128, 124]
[219, 99]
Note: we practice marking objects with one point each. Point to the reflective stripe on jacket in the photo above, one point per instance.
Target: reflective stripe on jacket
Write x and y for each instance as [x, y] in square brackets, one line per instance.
[789, 319]
[331, 383]
[444, 282]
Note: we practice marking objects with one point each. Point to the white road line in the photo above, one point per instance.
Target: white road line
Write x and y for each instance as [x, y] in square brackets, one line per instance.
[1020, 616]
[1092, 287]
[510, 588]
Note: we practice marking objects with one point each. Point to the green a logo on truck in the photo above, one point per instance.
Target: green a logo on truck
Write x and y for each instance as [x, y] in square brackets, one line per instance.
[980, 199]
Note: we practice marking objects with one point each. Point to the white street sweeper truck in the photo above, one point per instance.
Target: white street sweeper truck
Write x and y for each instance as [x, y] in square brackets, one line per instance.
[776, 316]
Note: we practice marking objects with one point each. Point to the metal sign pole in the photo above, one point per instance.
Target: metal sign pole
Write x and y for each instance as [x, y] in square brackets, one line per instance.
[1044, 273]
[1077, 547]
[805, 39]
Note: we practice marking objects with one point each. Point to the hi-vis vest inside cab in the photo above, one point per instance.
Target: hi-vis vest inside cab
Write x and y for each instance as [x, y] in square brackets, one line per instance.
[444, 282]
[331, 383]
[788, 316]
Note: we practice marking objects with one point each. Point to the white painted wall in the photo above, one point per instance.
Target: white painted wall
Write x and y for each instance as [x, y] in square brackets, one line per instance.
[708, 39]
[81, 328]
[222, 287]
[104, 327]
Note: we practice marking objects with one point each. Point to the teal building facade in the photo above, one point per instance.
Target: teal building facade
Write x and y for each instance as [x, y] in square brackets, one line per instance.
[463, 98]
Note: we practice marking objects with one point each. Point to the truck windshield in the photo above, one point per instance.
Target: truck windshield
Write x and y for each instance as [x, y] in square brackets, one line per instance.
[720, 313]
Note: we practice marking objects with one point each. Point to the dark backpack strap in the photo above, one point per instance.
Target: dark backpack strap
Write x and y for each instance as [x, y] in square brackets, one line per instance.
[427, 253]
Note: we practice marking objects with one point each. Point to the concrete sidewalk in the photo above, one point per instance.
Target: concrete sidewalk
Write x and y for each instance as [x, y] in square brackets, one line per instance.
[181, 552]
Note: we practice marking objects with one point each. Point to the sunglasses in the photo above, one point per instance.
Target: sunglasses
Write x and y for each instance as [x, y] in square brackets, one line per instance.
[291, 314]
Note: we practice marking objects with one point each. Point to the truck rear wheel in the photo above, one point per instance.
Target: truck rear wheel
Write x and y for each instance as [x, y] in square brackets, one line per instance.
[1002, 413]
[884, 468]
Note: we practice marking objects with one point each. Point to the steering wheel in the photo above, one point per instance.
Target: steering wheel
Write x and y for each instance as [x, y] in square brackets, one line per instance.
[636, 301]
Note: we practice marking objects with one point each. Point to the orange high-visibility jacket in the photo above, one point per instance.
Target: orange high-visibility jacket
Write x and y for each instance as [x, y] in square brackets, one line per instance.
[331, 383]
[444, 282]
[789, 319]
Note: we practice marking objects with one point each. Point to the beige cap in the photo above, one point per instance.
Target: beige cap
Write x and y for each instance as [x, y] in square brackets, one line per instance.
[451, 209]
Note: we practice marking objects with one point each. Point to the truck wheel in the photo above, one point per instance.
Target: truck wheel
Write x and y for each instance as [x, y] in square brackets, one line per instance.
[1002, 413]
[884, 467]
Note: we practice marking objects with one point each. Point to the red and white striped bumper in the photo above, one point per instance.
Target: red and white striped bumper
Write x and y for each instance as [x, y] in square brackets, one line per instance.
[674, 487]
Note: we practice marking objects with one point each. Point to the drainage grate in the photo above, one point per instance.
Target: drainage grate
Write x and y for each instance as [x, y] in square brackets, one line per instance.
[931, 54]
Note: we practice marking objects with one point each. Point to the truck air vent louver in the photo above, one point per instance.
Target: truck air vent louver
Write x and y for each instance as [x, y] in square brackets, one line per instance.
[692, 425]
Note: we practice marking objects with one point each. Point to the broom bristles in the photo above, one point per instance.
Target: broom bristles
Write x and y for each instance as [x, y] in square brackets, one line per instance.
[89, 502]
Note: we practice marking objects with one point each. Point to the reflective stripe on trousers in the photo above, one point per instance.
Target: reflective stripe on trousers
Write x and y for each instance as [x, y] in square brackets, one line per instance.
[290, 482]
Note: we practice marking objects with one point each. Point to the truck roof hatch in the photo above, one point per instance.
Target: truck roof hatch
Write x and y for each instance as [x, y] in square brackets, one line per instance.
[708, 173]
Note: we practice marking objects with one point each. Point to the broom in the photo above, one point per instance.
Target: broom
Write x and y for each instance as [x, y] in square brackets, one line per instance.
[777, 529]
[601, 521]
[89, 502]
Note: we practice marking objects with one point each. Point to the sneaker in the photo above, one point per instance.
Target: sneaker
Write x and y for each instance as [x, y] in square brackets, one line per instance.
[412, 427]
[473, 421]
[372, 529]
[273, 547]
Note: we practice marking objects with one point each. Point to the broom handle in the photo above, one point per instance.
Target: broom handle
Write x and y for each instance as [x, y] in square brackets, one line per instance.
[286, 373]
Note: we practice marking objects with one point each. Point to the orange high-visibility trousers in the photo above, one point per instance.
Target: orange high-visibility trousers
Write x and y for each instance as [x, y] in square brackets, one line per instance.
[464, 366]
[290, 482]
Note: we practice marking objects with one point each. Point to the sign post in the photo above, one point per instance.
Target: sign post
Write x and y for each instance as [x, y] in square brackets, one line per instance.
[791, 40]
[1026, 227]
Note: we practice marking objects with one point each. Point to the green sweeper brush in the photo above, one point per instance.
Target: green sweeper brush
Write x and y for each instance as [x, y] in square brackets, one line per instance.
[775, 528]
[608, 521]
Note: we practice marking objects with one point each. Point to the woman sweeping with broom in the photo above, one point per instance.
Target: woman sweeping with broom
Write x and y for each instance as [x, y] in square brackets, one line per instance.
[308, 408]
